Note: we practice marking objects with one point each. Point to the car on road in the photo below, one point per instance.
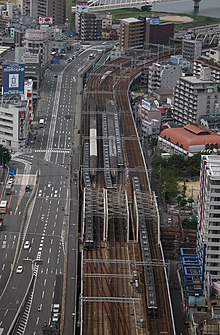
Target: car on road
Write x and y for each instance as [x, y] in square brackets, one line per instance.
[19, 269]
[55, 76]
[55, 317]
[56, 308]
[27, 244]
[27, 188]
[169, 220]
[69, 60]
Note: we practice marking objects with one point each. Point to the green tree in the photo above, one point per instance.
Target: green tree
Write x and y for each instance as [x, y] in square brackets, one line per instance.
[5, 155]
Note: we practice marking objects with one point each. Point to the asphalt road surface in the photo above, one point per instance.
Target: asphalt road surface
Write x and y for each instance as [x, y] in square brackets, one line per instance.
[44, 215]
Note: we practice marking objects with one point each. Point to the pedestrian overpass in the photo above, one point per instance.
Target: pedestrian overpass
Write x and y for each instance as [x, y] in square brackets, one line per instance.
[114, 4]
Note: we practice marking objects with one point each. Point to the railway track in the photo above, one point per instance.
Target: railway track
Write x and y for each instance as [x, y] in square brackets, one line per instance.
[116, 290]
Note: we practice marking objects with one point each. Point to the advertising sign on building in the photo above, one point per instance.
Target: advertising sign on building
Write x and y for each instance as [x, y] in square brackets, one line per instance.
[45, 20]
[13, 78]
[22, 116]
[155, 21]
[82, 6]
[146, 105]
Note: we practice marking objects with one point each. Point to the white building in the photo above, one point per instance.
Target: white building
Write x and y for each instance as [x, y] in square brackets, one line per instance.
[14, 125]
[148, 111]
[163, 75]
[212, 61]
[191, 49]
[209, 215]
[194, 97]
[150, 128]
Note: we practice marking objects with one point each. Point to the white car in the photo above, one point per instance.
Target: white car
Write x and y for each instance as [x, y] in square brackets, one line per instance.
[55, 317]
[27, 244]
[19, 269]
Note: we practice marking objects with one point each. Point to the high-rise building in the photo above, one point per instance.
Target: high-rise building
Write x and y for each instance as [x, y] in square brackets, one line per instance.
[209, 215]
[194, 97]
[58, 10]
[90, 26]
[191, 49]
[134, 33]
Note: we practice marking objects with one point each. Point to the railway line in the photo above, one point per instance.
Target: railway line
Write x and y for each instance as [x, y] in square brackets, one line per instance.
[124, 285]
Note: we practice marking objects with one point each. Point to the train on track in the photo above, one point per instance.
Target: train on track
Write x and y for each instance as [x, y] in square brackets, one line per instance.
[89, 232]
[150, 288]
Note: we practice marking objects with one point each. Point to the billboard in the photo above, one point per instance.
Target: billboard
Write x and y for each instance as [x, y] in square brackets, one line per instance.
[45, 20]
[13, 78]
[22, 117]
[155, 20]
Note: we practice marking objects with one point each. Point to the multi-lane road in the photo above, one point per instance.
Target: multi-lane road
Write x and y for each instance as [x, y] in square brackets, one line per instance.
[46, 216]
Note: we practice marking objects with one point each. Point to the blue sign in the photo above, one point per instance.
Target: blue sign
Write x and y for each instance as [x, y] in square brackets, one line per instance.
[174, 60]
[13, 78]
[154, 21]
[56, 61]
[12, 172]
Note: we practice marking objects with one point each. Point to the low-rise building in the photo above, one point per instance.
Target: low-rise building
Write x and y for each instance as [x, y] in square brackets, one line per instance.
[150, 128]
[148, 111]
[161, 33]
[188, 140]
[14, 125]
[212, 61]
[39, 40]
[163, 75]
[33, 68]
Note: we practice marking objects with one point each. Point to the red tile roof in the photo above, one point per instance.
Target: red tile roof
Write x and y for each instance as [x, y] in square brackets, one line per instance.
[190, 135]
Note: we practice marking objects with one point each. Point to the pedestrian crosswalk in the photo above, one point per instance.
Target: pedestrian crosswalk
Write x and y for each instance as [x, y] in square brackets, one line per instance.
[60, 151]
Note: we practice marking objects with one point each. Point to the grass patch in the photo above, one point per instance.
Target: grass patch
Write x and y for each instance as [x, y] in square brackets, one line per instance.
[124, 13]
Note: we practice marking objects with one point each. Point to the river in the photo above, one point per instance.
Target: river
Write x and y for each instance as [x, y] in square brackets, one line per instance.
[207, 7]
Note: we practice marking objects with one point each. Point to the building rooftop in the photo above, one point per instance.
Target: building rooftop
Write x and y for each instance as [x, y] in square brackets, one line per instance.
[130, 20]
[196, 80]
[191, 135]
[206, 61]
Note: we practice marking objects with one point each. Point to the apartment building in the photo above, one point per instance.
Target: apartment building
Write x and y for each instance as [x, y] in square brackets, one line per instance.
[191, 49]
[163, 75]
[194, 97]
[134, 33]
[209, 215]
[90, 26]
[212, 61]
